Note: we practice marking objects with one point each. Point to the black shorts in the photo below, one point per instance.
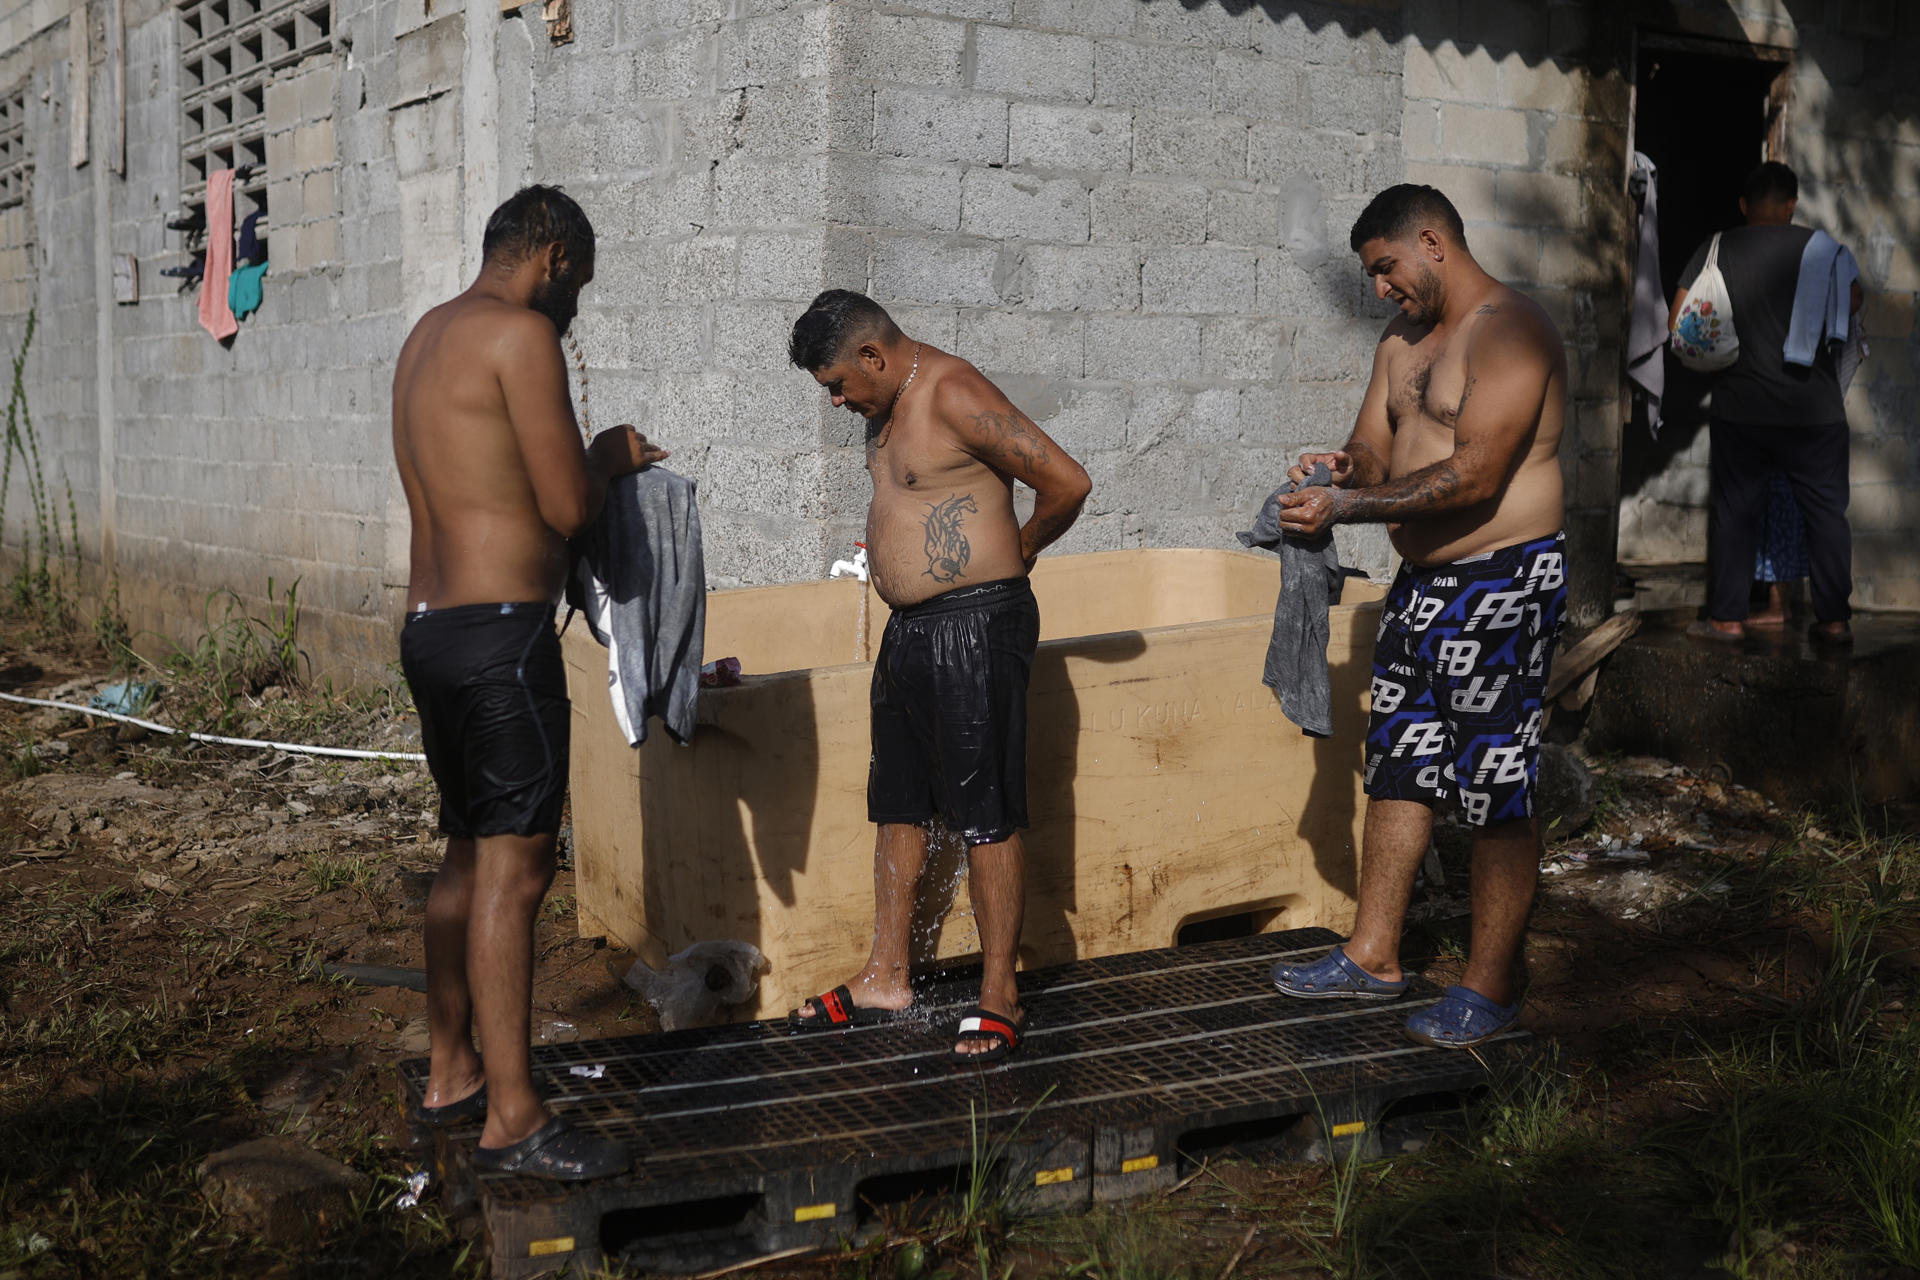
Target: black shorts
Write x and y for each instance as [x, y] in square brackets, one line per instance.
[1460, 678]
[491, 690]
[950, 711]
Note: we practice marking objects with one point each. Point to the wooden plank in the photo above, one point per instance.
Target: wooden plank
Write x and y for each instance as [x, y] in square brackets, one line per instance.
[79, 74]
[1595, 645]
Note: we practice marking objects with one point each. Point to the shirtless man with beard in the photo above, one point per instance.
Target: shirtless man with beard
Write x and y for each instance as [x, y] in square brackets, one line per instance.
[1456, 451]
[944, 447]
[496, 481]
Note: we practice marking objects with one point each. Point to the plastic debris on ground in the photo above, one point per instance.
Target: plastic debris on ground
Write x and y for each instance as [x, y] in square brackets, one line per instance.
[416, 1187]
[699, 983]
[124, 697]
[597, 1071]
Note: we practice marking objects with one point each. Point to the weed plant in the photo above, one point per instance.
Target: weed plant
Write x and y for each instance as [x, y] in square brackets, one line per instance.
[45, 585]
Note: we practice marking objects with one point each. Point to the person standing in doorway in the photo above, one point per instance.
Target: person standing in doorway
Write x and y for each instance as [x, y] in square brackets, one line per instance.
[1772, 414]
[944, 448]
[496, 480]
[1456, 450]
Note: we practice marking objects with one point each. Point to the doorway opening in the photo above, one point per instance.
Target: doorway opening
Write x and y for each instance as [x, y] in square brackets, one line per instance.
[1706, 112]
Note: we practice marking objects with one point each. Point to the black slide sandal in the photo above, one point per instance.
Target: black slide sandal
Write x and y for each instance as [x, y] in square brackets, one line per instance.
[836, 1011]
[984, 1024]
[557, 1151]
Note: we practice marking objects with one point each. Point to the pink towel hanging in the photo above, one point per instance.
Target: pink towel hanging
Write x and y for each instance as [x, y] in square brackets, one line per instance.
[216, 316]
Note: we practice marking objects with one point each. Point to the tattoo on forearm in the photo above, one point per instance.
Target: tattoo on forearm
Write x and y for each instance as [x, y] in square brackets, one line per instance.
[948, 552]
[1044, 527]
[1368, 467]
[1426, 491]
[1011, 438]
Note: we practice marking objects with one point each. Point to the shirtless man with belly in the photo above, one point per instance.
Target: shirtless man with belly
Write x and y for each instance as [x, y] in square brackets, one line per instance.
[1456, 451]
[944, 447]
[496, 480]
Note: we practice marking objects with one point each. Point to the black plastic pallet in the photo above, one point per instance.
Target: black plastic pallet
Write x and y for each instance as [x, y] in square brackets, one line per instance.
[748, 1139]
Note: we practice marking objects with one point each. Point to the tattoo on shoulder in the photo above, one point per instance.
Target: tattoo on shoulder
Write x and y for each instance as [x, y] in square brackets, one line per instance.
[1487, 309]
[1011, 437]
[948, 552]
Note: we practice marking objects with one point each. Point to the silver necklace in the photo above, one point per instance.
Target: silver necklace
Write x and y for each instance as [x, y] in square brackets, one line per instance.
[911, 375]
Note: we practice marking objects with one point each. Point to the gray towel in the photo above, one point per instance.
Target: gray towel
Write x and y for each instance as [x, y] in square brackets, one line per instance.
[1310, 578]
[641, 581]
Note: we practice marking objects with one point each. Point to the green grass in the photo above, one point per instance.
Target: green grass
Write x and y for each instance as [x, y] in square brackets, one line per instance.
[327, 872]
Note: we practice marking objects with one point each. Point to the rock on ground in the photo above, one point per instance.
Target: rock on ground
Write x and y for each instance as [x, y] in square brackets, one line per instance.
[280, 1190]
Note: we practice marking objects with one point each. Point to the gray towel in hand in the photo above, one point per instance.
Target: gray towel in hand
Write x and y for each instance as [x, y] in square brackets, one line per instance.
[1310, 578]
[641, 581]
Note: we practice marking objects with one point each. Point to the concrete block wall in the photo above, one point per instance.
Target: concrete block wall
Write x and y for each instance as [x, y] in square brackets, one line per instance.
[697, 135]
[268, 457]
[1132, 218]
[1512, 112]
[1852, 136]
[1137, 226]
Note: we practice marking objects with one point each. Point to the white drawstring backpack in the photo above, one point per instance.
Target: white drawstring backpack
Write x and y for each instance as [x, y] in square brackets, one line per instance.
[1703, 336]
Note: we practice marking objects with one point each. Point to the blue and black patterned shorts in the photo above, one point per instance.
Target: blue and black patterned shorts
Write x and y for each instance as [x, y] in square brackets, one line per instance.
[1460, 677]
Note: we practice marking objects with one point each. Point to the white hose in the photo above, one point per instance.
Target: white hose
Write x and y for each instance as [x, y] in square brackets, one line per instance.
[294, 748]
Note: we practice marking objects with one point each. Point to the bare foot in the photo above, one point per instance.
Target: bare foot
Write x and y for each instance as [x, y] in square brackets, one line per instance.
[460, 1091]
[1775, 614]
[1832, 633]
[1714, 629]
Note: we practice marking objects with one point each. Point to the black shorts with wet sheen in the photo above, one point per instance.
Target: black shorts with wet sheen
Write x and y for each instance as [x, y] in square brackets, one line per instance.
[950, 711]
[492, 695]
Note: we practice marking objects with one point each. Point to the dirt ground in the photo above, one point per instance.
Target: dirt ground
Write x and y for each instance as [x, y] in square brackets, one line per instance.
[169, 913]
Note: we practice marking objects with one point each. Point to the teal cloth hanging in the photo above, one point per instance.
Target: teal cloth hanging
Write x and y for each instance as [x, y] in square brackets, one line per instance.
[243, 290]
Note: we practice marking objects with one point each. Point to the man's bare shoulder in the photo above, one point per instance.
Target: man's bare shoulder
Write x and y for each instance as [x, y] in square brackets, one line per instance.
[1511, 322]
[1401, 332]
[486, 326]
[959, 391]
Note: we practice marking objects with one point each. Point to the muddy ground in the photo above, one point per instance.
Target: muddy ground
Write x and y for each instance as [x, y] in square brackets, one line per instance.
[169, 914]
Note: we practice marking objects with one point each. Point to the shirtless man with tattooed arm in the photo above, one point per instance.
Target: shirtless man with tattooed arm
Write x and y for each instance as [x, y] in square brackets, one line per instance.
[1456, 451]
[944, 447]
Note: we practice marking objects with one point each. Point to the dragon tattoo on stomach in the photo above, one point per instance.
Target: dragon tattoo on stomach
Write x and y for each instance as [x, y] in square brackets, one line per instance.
[948, 552]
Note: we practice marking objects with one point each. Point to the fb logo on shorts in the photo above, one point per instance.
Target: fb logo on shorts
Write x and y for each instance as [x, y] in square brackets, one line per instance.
[1502, 766]
[1424, 610]
[1387, 696]
[1458, 656]
[1548, 572]
[1478, 805]
[1421, 740]
[1479, 697]
[1500, 610]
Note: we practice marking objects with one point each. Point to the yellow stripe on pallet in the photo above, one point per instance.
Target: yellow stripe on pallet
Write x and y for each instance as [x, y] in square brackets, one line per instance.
[1048, 1177]
[1140, 1164]
[813, 1212]
[1350, 1128]
[559, 1244]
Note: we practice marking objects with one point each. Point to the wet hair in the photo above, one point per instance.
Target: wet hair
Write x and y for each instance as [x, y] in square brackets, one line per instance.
[531, 219]
[834, 322]
[1771, 181]
[1399, 213]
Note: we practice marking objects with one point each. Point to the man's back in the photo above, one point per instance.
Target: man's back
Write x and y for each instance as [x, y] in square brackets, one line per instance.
[478, 533]
[1761, 265]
